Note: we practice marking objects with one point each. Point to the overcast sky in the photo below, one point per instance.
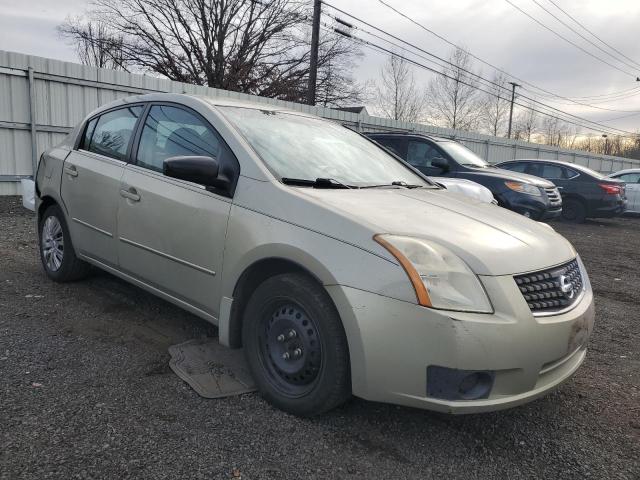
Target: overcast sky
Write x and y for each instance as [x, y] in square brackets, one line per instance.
[492, 29]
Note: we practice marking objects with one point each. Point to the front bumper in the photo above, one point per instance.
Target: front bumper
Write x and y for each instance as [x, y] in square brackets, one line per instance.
[537, 208]
[392, 343]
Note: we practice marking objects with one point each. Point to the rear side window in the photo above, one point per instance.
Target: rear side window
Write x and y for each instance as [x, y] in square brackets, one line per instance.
[172, 132]
[113, 132]
[629, 177]
[420, 154]
[552, 171]
[548, 171]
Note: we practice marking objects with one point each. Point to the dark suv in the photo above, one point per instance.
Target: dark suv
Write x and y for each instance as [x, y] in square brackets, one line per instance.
[531, 196]
[585, 192]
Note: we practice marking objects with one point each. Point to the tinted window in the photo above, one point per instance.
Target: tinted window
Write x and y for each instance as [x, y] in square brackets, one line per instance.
[552, 171]
[393, 144]
[172, 132]
[421, 154]
[570, 173]
[113, 132]
[549, 171]
[629, 177]
[515, 167]
[86, 138]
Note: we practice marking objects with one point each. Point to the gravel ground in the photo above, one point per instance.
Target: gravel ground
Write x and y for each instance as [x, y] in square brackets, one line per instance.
[87, 392]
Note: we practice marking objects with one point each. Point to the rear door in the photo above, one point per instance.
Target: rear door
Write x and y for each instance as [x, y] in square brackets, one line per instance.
[172, 232]
[91, 181]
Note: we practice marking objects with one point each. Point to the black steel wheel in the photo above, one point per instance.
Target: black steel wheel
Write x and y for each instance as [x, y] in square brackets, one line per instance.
[295, 345]
[573, 211]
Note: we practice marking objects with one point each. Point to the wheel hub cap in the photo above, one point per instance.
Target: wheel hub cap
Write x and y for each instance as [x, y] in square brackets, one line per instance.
[292, 346]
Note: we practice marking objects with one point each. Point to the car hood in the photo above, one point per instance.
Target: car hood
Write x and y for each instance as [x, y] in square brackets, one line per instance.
[465, 187]
[491, 239]
[508, 175]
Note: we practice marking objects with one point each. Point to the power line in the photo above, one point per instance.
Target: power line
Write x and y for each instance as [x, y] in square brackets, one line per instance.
[567, 40]
[546, 93]
[373, 46]
[633, 67]
[596, 36]
[455, 67]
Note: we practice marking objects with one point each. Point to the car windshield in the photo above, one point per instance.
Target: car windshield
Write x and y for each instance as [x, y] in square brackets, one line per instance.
[300, 147]
[463, 155]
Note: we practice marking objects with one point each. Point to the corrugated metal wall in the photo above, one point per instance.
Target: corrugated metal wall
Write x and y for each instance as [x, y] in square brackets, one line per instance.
[62, 93]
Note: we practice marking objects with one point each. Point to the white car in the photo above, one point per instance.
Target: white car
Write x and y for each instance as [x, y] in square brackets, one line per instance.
[466, 187]
[631, 177]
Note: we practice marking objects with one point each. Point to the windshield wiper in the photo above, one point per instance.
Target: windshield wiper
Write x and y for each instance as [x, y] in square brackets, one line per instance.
[397, 183]
[317, 183]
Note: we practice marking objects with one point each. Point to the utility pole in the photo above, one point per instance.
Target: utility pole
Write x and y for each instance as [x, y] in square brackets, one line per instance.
[513, 97]
[315, 40]
[606, 144]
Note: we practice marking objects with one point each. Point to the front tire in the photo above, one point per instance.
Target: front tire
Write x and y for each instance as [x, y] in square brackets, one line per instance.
[56, 250]
[295, 345]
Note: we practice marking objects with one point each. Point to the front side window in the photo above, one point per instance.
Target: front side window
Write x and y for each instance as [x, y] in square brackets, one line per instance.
[299, 147]
[174, 132]
[392, 144]
[113, 132]
[421, 154]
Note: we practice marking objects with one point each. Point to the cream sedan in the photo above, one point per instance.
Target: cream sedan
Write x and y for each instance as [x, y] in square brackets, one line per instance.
[337, 267]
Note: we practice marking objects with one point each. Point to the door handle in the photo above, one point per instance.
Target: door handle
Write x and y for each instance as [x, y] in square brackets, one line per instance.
[131, 194]
[71, 170]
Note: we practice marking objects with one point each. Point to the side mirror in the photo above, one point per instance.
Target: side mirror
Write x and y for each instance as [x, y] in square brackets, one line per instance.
[441, 163]
[196, 169]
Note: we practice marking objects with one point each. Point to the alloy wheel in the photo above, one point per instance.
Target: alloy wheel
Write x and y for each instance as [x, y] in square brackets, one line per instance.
[52, 243]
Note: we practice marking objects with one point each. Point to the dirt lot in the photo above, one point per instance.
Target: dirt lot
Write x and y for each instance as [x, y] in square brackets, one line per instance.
[87, 392]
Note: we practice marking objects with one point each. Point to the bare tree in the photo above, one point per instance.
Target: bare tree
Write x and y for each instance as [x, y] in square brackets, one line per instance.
[453, 99]
[526, 124]
[95, 45]
[397, 95]
[251, 46]
[495, 105]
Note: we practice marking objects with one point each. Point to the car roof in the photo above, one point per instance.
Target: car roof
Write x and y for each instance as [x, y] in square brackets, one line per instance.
[574, 166]
[627, 170]
[414, 134]
[212, 101]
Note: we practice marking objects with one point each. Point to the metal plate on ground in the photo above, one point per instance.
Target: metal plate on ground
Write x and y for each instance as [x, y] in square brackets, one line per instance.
[211, 369]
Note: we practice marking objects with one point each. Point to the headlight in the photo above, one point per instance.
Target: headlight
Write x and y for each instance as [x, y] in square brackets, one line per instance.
[440, 278]
[524, 188]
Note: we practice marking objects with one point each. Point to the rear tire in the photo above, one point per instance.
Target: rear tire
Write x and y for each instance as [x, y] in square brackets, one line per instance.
[295, 345]
[573, 211]
[56, 250]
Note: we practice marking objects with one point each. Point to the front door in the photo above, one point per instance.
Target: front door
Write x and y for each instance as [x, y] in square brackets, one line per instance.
[171, 233]
[91, 181]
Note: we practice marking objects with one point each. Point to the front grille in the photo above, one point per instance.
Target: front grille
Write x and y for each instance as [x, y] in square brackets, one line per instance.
[554, 196]
[553, 289]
